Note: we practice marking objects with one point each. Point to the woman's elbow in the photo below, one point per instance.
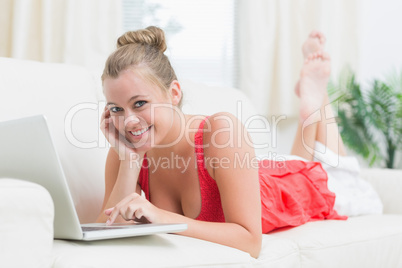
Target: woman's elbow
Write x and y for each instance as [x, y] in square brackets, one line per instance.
[255, 246]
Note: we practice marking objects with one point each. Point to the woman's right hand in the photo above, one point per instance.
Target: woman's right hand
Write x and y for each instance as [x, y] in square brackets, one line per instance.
[119, 143]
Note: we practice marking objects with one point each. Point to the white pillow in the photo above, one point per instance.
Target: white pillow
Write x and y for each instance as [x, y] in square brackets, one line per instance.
[354, 196]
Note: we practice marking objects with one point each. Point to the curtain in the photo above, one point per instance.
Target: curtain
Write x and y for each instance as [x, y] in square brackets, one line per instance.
[64, 31]
[271, 33]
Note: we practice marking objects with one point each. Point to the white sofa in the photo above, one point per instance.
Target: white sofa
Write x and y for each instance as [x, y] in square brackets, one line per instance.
[70, 97]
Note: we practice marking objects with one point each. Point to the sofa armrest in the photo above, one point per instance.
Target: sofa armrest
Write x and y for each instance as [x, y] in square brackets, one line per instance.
[388, 185]
[26, 225]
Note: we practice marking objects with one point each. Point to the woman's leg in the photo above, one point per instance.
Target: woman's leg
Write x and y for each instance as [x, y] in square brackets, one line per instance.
[322, 126]
[327, 129]
[304, 142]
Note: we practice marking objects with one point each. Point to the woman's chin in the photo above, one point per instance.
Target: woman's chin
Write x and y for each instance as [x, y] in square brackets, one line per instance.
[141, 146]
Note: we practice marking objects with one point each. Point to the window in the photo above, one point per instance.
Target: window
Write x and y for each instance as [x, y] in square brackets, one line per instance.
[200, 36]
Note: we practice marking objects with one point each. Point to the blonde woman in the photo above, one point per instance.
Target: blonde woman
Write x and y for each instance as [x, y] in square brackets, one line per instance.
[188, 165]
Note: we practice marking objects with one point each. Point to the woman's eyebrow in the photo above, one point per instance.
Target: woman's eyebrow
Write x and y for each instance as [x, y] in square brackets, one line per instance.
[132, 98]
[136, 96]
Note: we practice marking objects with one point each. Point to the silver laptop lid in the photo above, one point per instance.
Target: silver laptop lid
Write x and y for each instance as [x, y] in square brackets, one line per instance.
[27, 152]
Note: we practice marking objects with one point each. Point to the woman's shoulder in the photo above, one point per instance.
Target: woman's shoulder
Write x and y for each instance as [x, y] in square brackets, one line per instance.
[220, 115]
[225, 142]
[223, 131]
[217, 121]
[211, 123]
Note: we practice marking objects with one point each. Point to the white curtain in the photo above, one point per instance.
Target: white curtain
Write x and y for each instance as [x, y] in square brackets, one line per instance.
[271, 33]
[65, 31]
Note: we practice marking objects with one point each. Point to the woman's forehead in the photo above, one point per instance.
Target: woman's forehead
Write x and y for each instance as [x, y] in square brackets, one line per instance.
[128, 84]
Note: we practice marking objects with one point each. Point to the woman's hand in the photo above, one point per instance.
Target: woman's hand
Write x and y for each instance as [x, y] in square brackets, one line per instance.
[137, 208]
[121, 145]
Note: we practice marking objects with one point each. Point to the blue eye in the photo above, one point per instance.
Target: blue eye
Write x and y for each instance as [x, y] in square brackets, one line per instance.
[115, 109]
[139, 103]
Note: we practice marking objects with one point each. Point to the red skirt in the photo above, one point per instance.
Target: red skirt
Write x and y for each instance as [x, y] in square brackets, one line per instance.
[293, 193]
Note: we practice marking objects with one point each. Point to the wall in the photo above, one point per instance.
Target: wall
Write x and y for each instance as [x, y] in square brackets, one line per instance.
[380, 39]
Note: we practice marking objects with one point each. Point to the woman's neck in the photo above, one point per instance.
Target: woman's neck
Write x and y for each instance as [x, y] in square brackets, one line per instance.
[178, 139]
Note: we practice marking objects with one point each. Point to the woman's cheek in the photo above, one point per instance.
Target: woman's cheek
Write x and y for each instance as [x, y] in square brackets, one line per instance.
[114, 121]
[118, 122]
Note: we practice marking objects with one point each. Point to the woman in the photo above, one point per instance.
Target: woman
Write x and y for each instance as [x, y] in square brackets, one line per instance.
[188, 166]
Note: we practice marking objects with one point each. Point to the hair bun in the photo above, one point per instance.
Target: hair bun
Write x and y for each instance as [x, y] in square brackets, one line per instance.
[152, 36]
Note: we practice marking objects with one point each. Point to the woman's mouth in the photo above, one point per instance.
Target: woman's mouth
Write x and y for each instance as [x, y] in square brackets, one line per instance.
[140, 132]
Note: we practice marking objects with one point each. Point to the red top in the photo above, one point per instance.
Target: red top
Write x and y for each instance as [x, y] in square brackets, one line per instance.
[211, 208]
[292, 192]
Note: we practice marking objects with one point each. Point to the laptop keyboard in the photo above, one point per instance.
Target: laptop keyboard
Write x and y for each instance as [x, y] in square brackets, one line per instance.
[88, 229]
[101, 228]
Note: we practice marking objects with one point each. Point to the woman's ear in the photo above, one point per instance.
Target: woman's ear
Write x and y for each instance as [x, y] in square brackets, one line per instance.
[175, 92]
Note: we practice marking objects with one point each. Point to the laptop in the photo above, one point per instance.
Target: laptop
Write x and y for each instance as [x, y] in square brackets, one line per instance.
[27, 152]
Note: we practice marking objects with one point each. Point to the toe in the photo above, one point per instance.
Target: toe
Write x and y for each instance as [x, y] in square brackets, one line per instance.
[313, 33]
[321, 37]
[320, 34]
[325, 56]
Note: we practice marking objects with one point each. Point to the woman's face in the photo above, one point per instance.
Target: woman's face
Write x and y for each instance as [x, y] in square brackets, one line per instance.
[140, 111]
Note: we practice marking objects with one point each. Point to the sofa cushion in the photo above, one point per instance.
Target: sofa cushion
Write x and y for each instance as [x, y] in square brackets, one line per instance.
[277, 252]
[26, 226]
[167, 250]
[162, 250]
[364, 241]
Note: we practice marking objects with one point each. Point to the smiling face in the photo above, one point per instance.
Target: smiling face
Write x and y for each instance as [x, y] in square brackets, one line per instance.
[140, 110]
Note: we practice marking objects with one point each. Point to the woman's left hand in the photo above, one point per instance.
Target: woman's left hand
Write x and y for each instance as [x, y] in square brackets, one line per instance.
[137, 208]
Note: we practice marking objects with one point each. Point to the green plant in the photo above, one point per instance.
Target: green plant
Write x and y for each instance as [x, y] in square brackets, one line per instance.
[370, 120]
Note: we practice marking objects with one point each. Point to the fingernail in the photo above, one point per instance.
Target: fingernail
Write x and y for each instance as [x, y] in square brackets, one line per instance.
[108, 210]
[108, 222]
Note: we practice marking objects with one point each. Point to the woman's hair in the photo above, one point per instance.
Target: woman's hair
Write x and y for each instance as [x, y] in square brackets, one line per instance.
[143, 51]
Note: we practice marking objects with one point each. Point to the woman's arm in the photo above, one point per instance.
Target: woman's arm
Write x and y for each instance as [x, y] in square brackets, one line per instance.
[236, 174]
[120, 181]
[230, 234]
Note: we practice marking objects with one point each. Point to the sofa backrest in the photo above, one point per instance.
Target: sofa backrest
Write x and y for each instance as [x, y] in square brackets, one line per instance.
[66, 95]
[71, 99]
[203, 99]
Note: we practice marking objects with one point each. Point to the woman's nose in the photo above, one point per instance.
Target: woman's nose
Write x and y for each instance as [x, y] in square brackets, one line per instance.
[131, 121]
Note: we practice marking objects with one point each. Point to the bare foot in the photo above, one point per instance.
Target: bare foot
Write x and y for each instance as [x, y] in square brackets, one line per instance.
[314, 78]
[315, 42]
